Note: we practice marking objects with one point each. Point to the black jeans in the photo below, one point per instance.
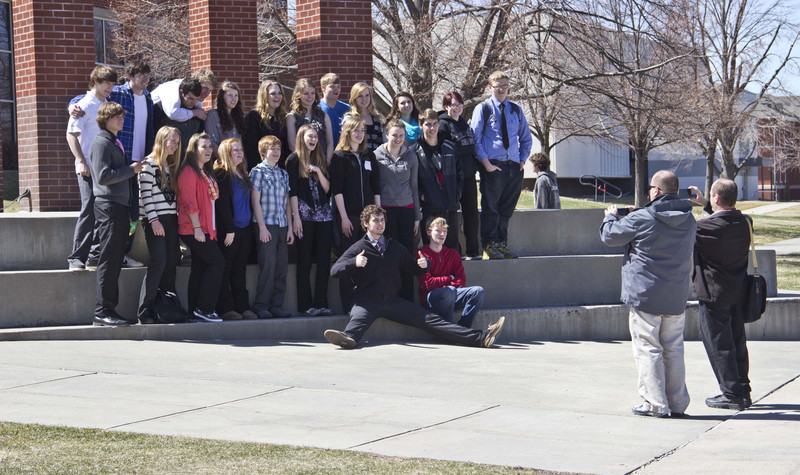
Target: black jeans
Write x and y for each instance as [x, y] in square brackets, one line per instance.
[84, 240]
[723, 334]
[500, 191]
[365, 310]
[400, 226]
[112, 233]
[233, 291]
[469, 213]
[205, 276]
[317, 240]
[165, 254]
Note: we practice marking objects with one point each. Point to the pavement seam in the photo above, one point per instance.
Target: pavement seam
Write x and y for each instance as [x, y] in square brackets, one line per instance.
[726, 419]
[196, 409]
[49, 381]
[423, 427]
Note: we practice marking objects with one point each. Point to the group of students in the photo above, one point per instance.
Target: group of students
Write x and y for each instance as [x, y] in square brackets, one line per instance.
[221, 181]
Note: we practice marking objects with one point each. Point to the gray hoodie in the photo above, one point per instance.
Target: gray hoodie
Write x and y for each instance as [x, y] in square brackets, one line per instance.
[658, 242]
[545, 191]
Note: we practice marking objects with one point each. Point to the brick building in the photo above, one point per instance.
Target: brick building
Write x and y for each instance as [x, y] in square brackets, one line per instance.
[53, 46]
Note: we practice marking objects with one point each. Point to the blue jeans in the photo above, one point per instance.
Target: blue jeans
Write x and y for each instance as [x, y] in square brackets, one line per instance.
[444, 300]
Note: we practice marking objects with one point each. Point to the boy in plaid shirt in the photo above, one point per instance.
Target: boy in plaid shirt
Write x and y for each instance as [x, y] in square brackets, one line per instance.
[270, 200]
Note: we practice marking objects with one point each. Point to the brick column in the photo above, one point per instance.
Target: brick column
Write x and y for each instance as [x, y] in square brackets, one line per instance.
[223, 35]
[53, 57]
[335, 36]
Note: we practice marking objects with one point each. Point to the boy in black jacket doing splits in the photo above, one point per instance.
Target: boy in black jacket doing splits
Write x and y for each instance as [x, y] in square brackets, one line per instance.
[374, 265]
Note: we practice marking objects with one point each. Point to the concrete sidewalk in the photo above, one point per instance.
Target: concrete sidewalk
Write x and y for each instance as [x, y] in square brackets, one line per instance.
[770, 208]
[561, 406]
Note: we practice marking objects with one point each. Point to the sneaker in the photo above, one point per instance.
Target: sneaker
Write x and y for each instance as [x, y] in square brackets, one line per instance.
[249, 315]
[491, 252]
[207, 317]
[325, 312]
[76, 265]
[264, 314]
[494, 330]
[724, 402]
[129, 261]
[502, 247]
[342, 339]
[280, 312]
[232, 315]
[311, 312]
[646, 410]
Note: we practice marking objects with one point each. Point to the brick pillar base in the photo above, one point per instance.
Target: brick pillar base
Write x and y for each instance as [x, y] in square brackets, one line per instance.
[335, 36]
[53, 57]
[224, 38]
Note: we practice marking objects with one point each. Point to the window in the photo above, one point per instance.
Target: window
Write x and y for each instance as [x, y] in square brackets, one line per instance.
[106, 34]
[8, 112]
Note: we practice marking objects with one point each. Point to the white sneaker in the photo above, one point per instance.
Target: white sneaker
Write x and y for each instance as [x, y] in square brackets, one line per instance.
[129, 261]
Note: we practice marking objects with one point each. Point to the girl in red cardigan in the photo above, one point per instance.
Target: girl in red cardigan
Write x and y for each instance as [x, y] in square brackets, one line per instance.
[197, 191]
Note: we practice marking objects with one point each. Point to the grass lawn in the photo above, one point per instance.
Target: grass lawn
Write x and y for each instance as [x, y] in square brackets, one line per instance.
[31, 448]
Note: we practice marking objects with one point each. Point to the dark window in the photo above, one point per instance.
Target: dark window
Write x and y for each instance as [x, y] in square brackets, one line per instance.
[5, 26]
[8, 115]
[106, 33]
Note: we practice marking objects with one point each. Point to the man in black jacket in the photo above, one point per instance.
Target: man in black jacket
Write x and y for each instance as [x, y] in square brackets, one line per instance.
[720, 272]
[374, 264]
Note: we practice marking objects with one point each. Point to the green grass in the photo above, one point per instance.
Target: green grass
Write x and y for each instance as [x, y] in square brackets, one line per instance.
[31, 448]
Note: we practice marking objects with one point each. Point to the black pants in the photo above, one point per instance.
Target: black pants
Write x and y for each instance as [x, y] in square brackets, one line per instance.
[317, 240]
[366, 310]
[233, 291]
[723, 333]
[500, 191]
[345, 283]
[165, 254]
[400, 226]
[205, 276]
[112, 234]
[469, 213]
[451, 217]
[84, 240]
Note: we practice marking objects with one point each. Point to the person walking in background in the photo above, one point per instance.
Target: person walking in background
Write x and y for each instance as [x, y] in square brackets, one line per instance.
[159, 216]
[545, 191]
[362, 106]
[453, 127]
[306, 110]
[313, 220]
[268, 118]
[502, 143]
[658, 242]
[233, 215]
[197, 191]
[720, 284]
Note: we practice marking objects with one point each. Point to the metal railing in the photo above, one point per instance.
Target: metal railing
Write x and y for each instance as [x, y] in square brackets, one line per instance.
[25, 194]
[600, 185]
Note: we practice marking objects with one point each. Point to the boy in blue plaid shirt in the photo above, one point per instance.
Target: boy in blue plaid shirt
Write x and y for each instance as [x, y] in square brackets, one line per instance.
[270, 200]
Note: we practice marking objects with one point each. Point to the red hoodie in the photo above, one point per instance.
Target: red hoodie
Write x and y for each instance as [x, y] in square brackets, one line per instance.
[443, 265]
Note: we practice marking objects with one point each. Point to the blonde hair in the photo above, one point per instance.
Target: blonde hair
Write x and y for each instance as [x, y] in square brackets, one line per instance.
[225, 161]
[309, 157]
[330, 78]
[349, 126]
[438, 223]
[356, 91]
[205, 75]
[170, 162]
[267, 142]
[498, 75]
[262, 103]
[297, 105]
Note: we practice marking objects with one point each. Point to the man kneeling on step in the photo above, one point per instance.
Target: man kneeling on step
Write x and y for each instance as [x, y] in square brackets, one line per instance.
[374, 265]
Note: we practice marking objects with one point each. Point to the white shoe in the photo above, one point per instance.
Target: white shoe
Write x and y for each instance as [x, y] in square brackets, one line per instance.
[129, 261]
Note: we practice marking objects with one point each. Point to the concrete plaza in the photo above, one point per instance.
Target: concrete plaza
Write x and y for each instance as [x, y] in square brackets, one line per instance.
[554, 405]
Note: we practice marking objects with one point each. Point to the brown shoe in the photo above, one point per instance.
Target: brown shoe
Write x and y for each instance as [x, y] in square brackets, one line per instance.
[494, 330]
[249, 315]
[342, 339]
[232, 315]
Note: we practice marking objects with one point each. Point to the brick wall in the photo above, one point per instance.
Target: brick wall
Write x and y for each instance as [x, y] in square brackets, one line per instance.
[335, 36]
[224, 38]
[53, 57]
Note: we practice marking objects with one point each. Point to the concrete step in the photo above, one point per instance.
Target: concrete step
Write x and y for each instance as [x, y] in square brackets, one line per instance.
[63, 297]
[39, 241]
[602, 322]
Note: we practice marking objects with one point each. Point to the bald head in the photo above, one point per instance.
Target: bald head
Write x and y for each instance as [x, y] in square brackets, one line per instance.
[726, 190]
[666, 182]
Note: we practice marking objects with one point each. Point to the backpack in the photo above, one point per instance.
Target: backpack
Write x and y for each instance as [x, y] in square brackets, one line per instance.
[168, 309]
[486, 110]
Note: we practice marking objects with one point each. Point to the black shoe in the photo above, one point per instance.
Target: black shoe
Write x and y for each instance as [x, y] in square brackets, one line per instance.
[110, 321]
[280, 312]
[91, 264]
[677, 415]
[342, 339]
[747, 401]
[264, 314]
[147, 319]
[724, 402]
[207, 316]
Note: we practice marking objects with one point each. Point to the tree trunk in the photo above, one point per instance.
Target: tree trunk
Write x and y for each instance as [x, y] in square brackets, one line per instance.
[641, 174]
[711, 156]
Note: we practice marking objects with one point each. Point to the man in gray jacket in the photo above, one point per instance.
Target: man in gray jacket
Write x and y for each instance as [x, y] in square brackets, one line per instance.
[658, 242]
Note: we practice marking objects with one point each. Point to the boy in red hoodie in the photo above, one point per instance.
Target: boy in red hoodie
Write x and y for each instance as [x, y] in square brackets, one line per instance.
[443, 289]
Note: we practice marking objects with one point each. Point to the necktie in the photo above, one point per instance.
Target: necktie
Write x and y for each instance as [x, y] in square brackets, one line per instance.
[379, 247]
[504, 125]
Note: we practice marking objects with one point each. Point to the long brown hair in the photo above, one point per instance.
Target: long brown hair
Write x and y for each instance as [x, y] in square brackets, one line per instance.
[262, 104]
[225, 161]
[236, 116]
[309, 157]
[191, 158]
[297, 104]
[349, 126]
